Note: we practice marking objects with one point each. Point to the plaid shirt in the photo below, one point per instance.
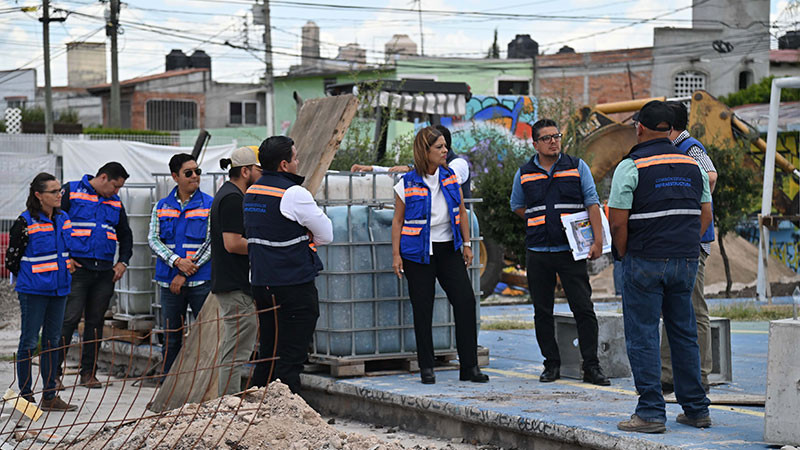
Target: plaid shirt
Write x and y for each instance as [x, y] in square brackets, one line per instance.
[161, 250]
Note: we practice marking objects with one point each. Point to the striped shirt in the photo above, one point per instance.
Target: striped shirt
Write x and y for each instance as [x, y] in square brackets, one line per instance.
[161, 250]
[705, 162]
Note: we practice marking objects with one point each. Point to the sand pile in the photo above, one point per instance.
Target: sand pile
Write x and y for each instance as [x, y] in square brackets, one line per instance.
[743, 260]
[283, 421]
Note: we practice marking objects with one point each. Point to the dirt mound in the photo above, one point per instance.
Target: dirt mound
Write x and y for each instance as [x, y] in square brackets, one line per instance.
[743, 259]
[273, 418]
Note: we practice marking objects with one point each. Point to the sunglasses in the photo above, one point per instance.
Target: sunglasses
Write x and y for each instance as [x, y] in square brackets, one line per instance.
[188, 172]
[549, 138]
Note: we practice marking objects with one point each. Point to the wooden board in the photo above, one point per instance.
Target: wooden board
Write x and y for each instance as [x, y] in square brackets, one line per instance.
[379, 365]
[317, 133]
[195, 365]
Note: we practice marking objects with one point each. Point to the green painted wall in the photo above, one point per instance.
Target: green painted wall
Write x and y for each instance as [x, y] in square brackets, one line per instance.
[221, 136]
[480, 74]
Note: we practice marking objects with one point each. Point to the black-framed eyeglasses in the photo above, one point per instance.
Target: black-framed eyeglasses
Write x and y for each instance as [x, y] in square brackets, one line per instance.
[52, 191]
[188, 172]
[550, 137]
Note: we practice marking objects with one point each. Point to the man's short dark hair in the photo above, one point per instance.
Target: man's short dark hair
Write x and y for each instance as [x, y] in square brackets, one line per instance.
[113, 171]
[542, 123]
[177, 161]
[273, 151]
[681, 115]
[448, 140]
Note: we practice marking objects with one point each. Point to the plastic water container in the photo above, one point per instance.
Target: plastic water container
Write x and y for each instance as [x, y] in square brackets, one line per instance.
[135, 290]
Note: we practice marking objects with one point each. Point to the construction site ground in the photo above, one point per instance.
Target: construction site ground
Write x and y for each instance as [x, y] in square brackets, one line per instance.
[513, 410]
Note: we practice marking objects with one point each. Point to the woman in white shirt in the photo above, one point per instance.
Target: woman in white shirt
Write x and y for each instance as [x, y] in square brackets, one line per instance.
[430, 241]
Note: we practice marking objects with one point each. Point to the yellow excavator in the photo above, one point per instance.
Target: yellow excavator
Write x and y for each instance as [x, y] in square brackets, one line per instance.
[607, 140]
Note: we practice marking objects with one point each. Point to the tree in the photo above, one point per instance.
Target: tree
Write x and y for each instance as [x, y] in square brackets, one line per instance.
[735, 194]
[494, 50]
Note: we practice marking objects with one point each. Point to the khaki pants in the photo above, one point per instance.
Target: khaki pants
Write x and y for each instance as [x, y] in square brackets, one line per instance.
[239, 337]
[703, 329]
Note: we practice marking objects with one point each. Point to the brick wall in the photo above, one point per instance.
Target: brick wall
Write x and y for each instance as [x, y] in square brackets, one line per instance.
[139, 110]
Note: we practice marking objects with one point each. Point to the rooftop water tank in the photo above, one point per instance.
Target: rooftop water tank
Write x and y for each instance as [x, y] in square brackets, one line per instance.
[176, 59]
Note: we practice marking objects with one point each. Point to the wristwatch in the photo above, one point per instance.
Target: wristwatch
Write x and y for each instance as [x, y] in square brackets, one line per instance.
[467, 244]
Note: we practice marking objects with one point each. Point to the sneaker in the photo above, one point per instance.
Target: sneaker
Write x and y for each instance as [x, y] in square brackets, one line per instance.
[639, 425]
[56, 404]
[59, 385]
[700, 422]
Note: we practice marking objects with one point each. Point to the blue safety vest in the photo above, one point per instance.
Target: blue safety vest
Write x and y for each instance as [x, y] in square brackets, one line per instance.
[548, 197]
[415, 237]
[94, 221]
[183, 231]
[280, 251]
[44, 268]
[684, 146]
[664, 220]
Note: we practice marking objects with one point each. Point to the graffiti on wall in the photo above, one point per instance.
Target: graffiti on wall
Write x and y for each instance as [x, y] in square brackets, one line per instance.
[784, 243]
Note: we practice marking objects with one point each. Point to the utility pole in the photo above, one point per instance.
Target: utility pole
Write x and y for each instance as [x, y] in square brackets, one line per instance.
[114, 119]
[421, 39]
[269, 87]
[48, 88]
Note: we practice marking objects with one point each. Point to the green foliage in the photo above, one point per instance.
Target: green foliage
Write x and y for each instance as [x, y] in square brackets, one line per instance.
[35, 114]
[507, 325]
[737, 187]
[68, 116]
[751, 312]
[123, 131]
[495, 160]
[759, 93]
[494, 50]
[2, 126]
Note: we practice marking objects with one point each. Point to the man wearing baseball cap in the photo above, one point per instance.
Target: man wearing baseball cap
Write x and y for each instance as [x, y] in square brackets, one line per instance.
[230, 267]
[660, 205]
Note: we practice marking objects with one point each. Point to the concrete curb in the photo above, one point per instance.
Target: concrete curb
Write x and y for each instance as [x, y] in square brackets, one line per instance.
[516, 428]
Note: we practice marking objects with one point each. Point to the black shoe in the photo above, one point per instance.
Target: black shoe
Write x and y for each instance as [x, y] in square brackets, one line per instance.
[427, 376]
[595, 375]
[550, 374]
[473, 374]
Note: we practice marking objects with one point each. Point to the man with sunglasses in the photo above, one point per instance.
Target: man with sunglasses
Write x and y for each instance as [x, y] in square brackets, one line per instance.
[549, 185]
[179, 228]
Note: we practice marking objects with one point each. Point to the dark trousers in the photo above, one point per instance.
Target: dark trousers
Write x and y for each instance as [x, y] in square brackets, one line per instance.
[296, 320]
[446, 265]
[45, 313]
[542, 270]
[173, 314]
[90, 295]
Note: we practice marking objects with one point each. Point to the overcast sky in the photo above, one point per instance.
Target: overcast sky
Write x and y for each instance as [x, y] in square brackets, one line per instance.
[151, 28]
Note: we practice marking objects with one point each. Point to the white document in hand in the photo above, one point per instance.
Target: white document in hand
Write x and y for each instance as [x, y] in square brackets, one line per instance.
[580, 235]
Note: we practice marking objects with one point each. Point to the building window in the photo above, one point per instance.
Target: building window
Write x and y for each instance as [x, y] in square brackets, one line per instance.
[688, 82]
[243, 113]
[15, 102]
[171, 115]
[513, 87]
[745, 79]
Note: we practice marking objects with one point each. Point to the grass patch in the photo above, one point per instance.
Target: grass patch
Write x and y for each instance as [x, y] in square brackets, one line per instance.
[6, 358]
[751, 312]
[507, 325]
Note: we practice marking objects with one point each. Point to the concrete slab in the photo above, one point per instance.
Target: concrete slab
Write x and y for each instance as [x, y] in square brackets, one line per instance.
[783, 383]
[570, 414]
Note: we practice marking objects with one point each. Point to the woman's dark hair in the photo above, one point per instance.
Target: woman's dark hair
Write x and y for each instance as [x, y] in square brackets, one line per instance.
[39, 184]
[542, 123]
[177, 161]
[273, 151]
[448, 140]
[233, 172]
[425, 138]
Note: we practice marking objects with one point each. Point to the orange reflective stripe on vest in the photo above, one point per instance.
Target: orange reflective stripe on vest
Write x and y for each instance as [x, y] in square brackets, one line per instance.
[168, 212]
[411, 231]
[112, 236]
[83, 196]
[200, 212]
[671, 158]
[532, 177]
[80, 232]
[412, 191]
[67, 225]
[312, 247]
[449, 180]
[536, 221]
[567, 173]
[37, 227]
[266, 190]
[44, 267]
[114, 203]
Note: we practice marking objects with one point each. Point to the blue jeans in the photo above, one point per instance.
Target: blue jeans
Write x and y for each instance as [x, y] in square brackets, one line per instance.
[654, 288]
[46, 313]
[173, 314]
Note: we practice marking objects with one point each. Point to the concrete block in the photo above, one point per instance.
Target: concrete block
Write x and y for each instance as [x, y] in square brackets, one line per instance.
[721, 369]
[783, 383]
[610, 345]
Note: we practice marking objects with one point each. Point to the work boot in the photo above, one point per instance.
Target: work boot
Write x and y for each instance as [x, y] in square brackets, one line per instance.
[56, 404]
[427, 376]
[700, 422]
[473, 374]
[639, 425]
[89, 381]
[550, 374]
[595, 375]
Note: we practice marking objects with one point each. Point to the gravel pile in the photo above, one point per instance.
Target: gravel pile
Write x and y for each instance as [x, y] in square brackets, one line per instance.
[284, 421]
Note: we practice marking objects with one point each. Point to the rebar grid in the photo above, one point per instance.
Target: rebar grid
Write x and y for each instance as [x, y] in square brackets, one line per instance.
[18, 431]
